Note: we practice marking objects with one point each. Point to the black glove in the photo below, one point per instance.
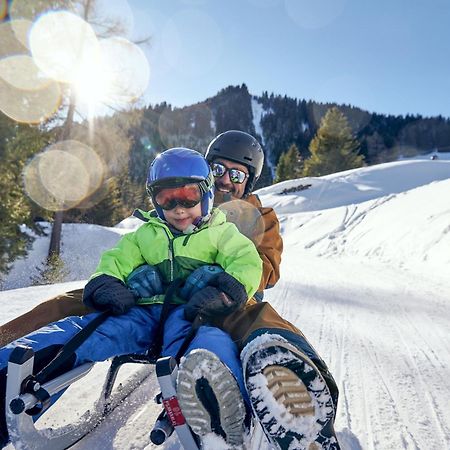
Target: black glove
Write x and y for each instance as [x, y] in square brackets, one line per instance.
[223, 296]
[108, 293]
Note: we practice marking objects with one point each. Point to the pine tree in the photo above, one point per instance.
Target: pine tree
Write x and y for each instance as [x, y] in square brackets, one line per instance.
[334, 148]
[290, 165]
[17, 144]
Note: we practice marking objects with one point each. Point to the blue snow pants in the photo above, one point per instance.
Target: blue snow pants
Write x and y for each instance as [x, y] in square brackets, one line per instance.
[132, 332]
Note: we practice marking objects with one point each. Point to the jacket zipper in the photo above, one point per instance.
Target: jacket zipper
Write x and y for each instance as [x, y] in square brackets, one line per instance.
[171, 257]
[171, 252]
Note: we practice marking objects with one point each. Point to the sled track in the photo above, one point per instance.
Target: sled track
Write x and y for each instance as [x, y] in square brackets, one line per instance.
[382, 332]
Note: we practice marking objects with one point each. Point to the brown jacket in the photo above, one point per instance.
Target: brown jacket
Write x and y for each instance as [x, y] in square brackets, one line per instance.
[261, 225]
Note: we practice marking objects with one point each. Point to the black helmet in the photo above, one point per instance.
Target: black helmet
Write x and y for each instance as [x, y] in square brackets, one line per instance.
[239, 147]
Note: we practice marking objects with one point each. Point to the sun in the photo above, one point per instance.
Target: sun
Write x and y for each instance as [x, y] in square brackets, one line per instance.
[92, 82]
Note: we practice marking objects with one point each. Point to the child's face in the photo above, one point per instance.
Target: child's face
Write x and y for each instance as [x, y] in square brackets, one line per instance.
[180, 218]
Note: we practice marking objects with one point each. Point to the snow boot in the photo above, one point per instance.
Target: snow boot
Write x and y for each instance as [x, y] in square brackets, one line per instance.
[288, 395]
[210, 398]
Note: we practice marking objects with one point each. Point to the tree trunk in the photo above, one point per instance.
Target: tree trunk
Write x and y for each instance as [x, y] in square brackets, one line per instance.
[55, 239]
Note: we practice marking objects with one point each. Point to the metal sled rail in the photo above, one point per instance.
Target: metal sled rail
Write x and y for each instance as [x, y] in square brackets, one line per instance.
[22, 431]
[25, 402]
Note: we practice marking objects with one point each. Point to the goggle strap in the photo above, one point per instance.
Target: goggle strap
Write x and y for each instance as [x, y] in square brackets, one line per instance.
[206, 184]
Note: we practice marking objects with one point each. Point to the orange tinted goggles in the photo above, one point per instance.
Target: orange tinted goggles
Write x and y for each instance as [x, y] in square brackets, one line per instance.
[186, 196]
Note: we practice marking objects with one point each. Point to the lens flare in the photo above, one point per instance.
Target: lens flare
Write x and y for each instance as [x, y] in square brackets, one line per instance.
[116, 73]
[97, 196]
[3, 9]
[32, 9]
[63, 175]
[21, 72]
[55, 180]
[60, 43]
[13, 37]
[127, 69]
[92, 81]
[29, 106]
[91, 161]
[246, 217]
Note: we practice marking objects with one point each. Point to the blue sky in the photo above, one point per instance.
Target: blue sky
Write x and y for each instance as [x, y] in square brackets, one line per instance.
[386, 56]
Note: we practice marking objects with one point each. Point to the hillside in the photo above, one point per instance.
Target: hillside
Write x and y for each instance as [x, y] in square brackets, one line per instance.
[279, 121]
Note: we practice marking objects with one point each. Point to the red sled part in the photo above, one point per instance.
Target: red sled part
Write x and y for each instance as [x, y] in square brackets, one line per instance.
[174, 413]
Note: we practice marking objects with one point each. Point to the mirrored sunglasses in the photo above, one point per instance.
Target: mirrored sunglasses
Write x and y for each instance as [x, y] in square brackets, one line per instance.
[236, 175]
[186, 196]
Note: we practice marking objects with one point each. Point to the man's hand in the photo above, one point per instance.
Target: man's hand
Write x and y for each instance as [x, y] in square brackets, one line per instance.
[199, 279]
[105, 293]
[145, 281]
[223, 296]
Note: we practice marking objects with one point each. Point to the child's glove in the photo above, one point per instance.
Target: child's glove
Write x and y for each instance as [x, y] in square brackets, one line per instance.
[223, 296]
[199, 279]
[145, 281]
[108, 293]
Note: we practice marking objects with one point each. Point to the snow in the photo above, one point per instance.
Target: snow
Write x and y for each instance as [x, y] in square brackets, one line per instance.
[364, 275]
[81, 247]
[354, 186]
[258, 114]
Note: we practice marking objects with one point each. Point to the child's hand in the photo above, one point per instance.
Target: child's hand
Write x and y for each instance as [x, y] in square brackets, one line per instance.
[223, 296]
[105, 293]
[145, 281]
[199, 279]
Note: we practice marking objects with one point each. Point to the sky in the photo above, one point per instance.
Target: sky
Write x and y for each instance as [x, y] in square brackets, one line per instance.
[390, 57]
[364, 275]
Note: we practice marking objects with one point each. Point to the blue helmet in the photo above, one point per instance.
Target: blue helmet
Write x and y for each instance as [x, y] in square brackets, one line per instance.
[177, 167]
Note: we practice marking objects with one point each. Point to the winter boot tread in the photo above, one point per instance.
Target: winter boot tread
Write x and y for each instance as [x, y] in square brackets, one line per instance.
[289, 395]
[289, 390]
[210, 397]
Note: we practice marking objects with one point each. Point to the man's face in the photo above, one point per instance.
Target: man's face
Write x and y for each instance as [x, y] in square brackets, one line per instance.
[224, 186]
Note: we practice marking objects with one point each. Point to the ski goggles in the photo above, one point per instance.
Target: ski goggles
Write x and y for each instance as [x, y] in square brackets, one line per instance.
[236, 176]
[186, 196]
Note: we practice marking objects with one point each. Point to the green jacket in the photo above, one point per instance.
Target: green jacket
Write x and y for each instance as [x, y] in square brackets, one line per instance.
[216, 242]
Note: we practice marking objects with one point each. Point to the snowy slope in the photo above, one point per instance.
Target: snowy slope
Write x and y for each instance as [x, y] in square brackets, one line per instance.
[366, 277]
[354, 186]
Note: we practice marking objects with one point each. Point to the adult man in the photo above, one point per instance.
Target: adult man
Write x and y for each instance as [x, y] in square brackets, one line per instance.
[287, 382]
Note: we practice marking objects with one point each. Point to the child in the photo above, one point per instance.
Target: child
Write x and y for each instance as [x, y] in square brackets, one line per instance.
[183, 234]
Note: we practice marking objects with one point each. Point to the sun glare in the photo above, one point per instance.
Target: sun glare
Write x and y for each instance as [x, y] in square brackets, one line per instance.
[110, 72]
[92, 83]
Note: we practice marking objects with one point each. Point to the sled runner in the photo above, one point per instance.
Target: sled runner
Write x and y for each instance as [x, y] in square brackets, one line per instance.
[22, 403]
[29, 394]
[24, 398]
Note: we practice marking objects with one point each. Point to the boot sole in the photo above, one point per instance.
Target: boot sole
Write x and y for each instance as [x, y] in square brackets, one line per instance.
[290, 397]
[201, 374]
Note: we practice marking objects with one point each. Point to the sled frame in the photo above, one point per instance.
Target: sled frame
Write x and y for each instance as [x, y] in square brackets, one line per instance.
[21, 428]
